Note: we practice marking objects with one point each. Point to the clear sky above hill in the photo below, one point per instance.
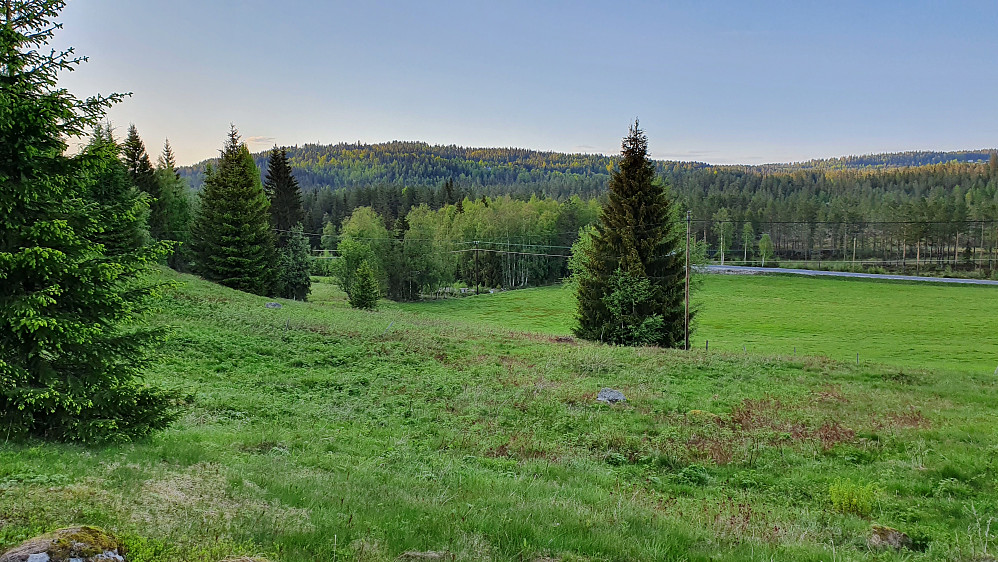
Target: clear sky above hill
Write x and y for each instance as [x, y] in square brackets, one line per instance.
[721, 82]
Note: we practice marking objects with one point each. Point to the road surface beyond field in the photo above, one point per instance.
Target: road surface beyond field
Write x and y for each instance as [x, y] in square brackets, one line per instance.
[744, 270]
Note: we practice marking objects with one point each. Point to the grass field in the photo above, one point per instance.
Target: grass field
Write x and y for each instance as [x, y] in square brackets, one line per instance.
[915, 325]
[317, 432]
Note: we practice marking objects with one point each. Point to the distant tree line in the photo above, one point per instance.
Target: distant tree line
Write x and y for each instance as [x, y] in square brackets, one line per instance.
[888, 214]
[886, 207]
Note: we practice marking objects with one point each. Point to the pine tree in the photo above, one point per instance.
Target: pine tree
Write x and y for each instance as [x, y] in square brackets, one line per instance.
[631, 288]
[176, 197]
[282, 189]
[294, 279]
[231, 239]
[140, 170]
[69, 368]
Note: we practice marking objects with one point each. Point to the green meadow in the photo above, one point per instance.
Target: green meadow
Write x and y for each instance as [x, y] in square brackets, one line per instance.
[912, 325]
[464, 430]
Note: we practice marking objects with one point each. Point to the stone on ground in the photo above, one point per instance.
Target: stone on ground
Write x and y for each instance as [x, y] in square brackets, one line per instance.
[610, 396]
[884, 537]
[74, 544]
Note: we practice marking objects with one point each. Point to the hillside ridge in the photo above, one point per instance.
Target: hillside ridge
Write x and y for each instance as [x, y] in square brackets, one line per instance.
[420, 163]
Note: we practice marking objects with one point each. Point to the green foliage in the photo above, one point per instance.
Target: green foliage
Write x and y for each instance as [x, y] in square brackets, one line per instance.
[282, 190]
[69, 364]
[363, 238]
[231, 238]
[420, 256]
[636, 234]
[849, 497]
[351, 253]
[581, 249]
[364, 292]
[765, 248]
[724, 229]
[143, 177]
[177, 200]
[627, 299]
[295, 266]
[748, 241]
[123, 209]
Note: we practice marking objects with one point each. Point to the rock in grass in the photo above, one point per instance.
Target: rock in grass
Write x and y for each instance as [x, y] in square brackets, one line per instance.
[273, 305]
[75, 544]
[884, 537]
[610, 396]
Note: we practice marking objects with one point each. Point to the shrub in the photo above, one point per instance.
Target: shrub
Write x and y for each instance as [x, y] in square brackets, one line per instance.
[364, 293]
[848, 497]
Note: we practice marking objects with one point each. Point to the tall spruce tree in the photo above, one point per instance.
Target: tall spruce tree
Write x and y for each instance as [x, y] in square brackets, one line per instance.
[123, 209]
[631, 287]
[69, 366]
[176, 205]
[282, 189]
[140, 170]
[231, 239]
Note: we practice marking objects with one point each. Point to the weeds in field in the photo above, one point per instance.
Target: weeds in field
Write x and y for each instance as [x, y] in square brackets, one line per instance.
[849, 497]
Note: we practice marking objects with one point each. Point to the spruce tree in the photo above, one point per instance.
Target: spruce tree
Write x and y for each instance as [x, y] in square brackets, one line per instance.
[69, 364]
[140, 170]
[123, 209]
[282, 189]
[294, 279]
[631, 287]
[365, 291]
[176, 205]
[231, 238]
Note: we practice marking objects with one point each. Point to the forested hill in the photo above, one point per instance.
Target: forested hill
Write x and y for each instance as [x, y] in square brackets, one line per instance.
[488, 170]
[420, 164]
[888, 160]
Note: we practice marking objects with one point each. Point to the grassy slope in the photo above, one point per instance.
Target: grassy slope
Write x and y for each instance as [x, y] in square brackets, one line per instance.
[921, 325]
[316, 432]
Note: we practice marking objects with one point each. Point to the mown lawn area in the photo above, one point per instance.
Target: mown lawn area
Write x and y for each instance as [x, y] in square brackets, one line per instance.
[317, 432]
[912, 325]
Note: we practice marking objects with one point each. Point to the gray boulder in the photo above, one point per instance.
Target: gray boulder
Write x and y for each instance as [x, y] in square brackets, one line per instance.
[882, 538]
[75, 544]
[610, 396]
[273, 305]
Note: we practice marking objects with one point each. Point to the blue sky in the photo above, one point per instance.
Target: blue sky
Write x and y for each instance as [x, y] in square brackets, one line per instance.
[721, 82]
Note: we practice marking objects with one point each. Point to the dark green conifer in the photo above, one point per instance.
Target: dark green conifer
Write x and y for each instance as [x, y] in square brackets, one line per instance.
[69, 366]
[282, 189]
[123, 210]
[231, 238]
[176, 198]
[631, 288]
[142, 174]
[294, 279]
[365, 291]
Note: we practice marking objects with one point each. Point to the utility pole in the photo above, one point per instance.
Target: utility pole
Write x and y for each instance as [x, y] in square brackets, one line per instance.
[476, 267]
[688, 221]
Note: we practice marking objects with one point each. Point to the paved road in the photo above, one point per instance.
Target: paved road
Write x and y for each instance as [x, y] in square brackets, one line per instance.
[738, 269]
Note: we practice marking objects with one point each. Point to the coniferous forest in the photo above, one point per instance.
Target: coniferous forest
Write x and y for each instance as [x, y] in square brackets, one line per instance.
[912, 211]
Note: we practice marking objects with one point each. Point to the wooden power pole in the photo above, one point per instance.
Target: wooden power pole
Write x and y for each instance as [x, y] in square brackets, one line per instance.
[688, 221]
